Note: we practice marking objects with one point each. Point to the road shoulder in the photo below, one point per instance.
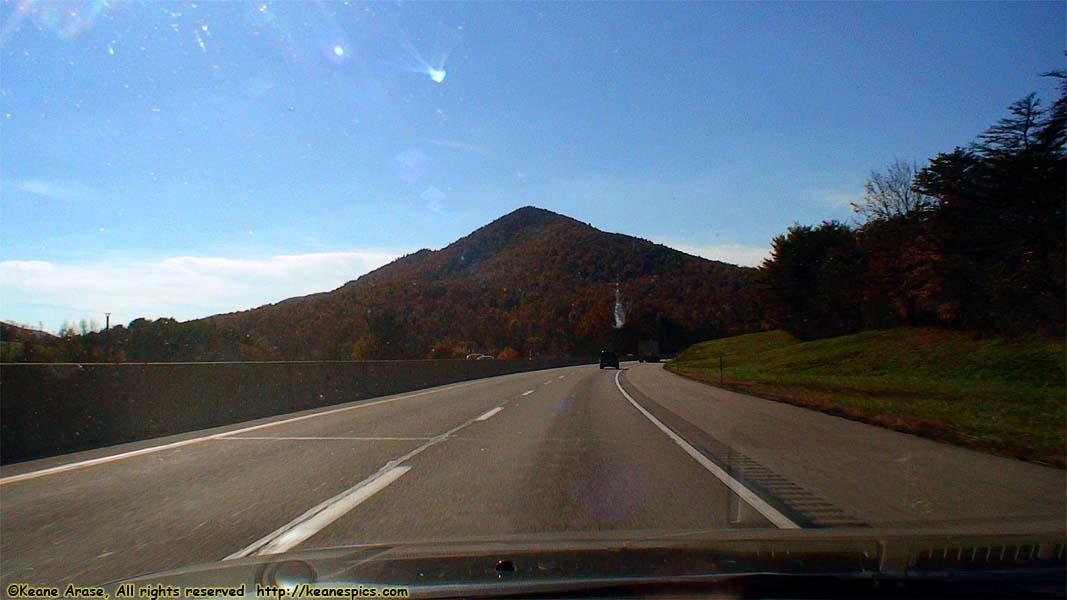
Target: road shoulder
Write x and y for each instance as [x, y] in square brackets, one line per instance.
[878, 476]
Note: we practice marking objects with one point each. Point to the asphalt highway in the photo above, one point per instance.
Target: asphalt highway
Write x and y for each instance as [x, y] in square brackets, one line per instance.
[571, 450]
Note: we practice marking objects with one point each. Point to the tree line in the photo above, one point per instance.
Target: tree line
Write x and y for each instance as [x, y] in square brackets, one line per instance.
[973, 240]
[143, 340]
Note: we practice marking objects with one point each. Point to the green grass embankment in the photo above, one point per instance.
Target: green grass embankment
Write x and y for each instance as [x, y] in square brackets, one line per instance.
[1005, 396]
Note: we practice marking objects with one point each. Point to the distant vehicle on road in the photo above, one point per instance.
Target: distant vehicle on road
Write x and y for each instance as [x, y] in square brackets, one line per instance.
[609, 359]
[486, 357]
[475, 356]
[648, 351]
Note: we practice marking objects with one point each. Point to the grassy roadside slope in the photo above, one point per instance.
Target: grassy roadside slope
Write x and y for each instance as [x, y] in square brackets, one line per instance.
[1003, 396]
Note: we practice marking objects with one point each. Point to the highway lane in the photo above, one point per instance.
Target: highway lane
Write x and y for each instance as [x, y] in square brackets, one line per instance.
[208, 500]
[562, 450]
[573, 457]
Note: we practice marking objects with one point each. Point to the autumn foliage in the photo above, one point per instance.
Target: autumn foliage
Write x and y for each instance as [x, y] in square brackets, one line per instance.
[975, 240]
[532, 283]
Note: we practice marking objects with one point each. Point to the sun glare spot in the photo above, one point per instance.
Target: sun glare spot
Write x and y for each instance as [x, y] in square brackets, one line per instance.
[338, 50]
[444, 42]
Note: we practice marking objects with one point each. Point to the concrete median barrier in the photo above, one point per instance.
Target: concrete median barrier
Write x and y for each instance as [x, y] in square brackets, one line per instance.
[50, 409]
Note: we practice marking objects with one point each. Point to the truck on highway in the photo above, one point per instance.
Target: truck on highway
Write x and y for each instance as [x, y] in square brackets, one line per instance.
[648, 350]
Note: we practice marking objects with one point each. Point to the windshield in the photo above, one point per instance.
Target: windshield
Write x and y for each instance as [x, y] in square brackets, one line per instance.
[283, 276]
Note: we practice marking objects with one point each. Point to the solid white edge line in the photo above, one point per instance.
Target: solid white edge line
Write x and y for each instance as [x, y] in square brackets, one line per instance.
[298, 438]
[769, 512]
[124, 455]
[335, 509]
[488, 415]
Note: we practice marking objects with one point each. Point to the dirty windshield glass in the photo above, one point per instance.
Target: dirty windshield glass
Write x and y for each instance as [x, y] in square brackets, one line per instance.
[500, 289]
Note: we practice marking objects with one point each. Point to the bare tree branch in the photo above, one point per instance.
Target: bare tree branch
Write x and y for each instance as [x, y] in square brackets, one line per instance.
[890, 194]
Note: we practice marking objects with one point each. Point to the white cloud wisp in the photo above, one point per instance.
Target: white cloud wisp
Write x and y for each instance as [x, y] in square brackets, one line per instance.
[183, 287]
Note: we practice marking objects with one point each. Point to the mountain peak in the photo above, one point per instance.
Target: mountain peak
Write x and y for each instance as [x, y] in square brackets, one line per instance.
[506, 231]
[530, 209]
[533, 280]
[529, 216]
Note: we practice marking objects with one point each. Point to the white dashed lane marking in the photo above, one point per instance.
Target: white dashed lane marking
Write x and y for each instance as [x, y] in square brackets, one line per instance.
[490, 414]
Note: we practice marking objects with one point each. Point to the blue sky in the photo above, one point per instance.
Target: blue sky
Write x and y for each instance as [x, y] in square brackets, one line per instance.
[182, 159]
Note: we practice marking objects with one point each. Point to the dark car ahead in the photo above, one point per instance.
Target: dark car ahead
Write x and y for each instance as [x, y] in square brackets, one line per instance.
[609, 359]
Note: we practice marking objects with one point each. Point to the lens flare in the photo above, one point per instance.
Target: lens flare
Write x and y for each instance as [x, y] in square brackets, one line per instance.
[445, 41]
[337, 50]
[66, 20]
[409, 165]
[434, 198]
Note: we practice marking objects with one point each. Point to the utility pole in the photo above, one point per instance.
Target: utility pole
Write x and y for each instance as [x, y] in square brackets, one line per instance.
[107, 337]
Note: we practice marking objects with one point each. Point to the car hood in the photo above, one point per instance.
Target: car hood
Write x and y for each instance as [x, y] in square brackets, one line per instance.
[545, 562]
